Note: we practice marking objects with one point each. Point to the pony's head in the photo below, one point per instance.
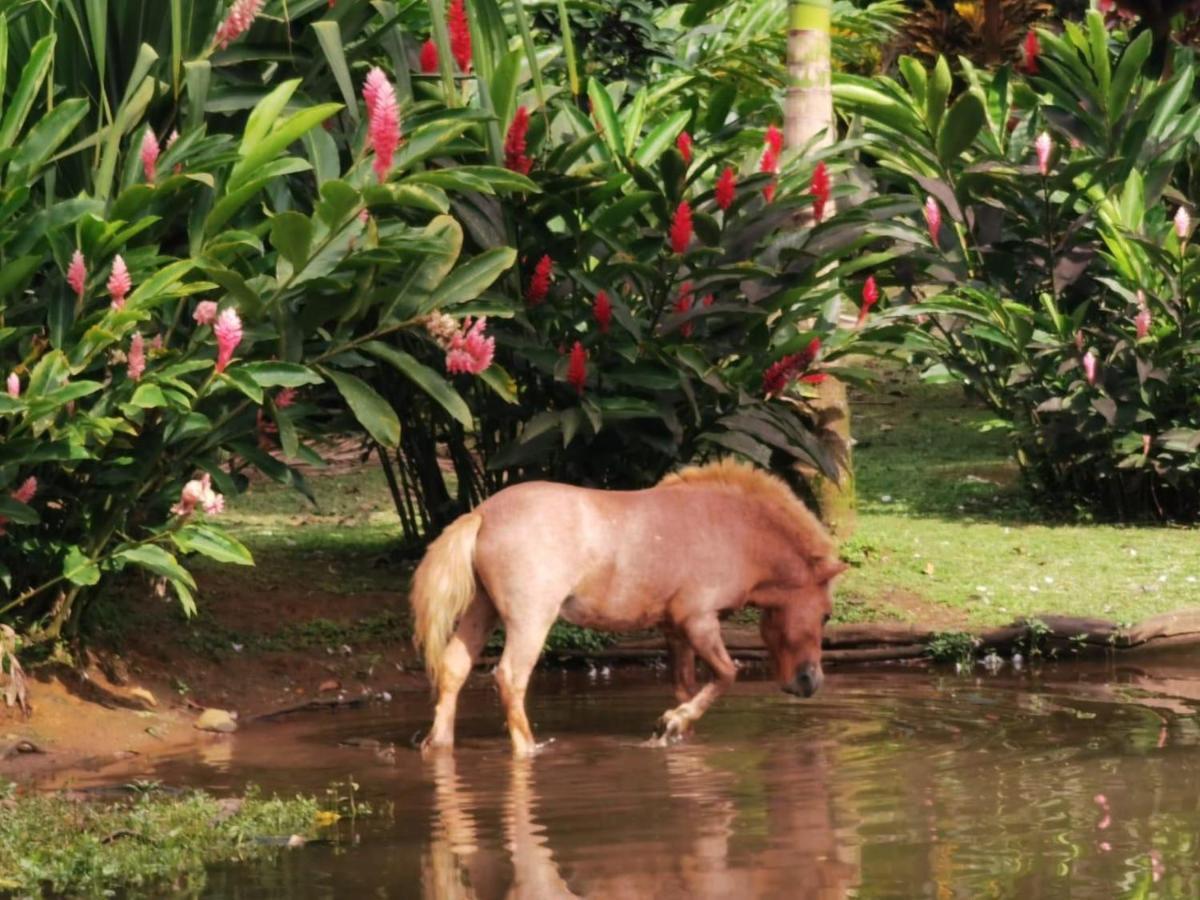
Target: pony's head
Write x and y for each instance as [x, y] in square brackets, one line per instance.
[792, 629]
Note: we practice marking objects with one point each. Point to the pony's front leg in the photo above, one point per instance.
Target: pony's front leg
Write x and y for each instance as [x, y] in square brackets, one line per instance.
[683, 664]
[704, 635]
[522, 647]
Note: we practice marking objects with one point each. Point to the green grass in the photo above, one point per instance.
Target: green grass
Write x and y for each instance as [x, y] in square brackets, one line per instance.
[942, 518]
[946, 536]
[55, 844]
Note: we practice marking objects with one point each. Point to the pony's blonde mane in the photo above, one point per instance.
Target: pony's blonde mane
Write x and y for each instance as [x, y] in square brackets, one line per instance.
[751, 482]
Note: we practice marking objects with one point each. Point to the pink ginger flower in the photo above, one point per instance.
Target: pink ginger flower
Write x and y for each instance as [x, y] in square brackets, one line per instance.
[429, 57]
[13, 384]
[870, 296]
[199, 493]
[1044, 146]
[171, 139]
[156, 343]
[681, 228]
[539, 284]
[1079, 341]
[460, 34]
[228, 331]
[241, 16]
[137, 357]
[1089, 367]
[577, 368]
[602, 310]
[285, 398]
[726, 188]
[77, 274]
[1147, 443]
[684, 144]
[514, 143]
[1142, 322]
[206, 312]
[820, 190]
[27, 491]
[1183, 223]
[119, 282]
[383, 115]
[150, 151]
[470, 351]
[933, 218]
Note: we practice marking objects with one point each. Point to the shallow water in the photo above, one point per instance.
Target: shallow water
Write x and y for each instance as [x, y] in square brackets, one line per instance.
[1071, 781]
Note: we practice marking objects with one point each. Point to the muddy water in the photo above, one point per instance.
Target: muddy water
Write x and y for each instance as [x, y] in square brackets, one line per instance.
[1067, 782]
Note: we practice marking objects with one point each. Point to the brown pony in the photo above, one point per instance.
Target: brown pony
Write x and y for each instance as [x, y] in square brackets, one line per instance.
[678, 556]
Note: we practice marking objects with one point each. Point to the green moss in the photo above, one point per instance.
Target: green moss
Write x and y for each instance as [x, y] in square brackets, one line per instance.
[56, 844]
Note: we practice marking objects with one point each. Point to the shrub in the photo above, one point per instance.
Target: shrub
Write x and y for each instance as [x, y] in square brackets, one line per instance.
[1058, 286]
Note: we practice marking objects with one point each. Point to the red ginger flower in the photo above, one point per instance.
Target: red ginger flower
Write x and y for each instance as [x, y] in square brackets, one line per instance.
[383, 120]
[514, 143]
[77, 274]
[150, 151]
[228, 331]
[460, 34]
[770, 159]
[241, 16]
[870, 296]
[820, 190]
[577, 367]
[782, 373]
[726, 188]
[539, 284]
[27, 491]
[429, 57]
[683, 305]
[681, 228]
[774, 139]
[684, 144]
[119, 282]
[470, 350]
[1032, 49]
[709, 300]
[602, 310]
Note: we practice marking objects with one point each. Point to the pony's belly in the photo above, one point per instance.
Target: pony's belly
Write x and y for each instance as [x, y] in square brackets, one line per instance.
[608, 614]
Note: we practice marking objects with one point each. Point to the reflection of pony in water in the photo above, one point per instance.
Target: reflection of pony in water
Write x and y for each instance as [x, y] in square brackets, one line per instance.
[704, 852]
[678, 556]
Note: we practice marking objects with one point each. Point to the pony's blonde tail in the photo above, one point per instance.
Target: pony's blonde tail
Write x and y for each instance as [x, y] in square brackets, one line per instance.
[442, 588]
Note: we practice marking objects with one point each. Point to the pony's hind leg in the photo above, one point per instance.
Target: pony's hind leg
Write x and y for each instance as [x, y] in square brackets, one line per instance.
[464, 648]
[704, 635]
[522, 646]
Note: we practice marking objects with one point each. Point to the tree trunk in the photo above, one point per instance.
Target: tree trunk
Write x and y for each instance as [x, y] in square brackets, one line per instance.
[808, 115]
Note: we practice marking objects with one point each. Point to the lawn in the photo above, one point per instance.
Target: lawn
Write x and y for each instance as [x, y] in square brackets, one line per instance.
[946, 536]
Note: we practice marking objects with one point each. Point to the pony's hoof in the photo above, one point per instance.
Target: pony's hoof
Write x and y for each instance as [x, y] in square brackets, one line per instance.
[671, 728]
[429, 746]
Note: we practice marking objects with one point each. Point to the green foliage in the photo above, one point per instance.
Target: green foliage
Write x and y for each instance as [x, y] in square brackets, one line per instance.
[956, 647]
[55, 844]
[1036, 277]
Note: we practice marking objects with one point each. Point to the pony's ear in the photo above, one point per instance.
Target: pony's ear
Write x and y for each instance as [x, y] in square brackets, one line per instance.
[828, 569]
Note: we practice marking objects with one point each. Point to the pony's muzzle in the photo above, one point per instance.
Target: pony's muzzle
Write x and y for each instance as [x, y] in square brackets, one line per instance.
[807, 681]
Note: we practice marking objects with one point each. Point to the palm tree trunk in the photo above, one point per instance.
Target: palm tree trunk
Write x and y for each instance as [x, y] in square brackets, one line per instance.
[808, 119]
